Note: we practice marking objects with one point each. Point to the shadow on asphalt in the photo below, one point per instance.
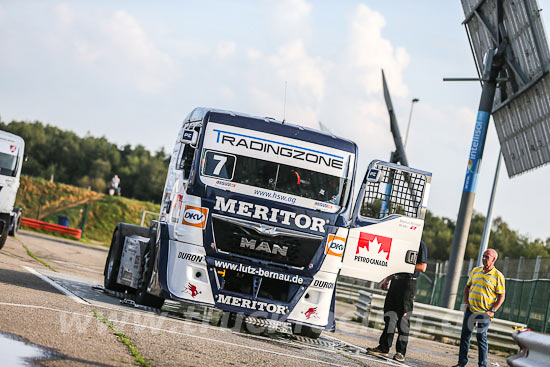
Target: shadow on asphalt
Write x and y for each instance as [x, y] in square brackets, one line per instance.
[63, 241]
[26, 280]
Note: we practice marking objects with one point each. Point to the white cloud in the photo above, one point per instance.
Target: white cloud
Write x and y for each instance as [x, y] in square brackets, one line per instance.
[369, 51]
[292, 63]
[291, 12]
[253, 54]
[132, 50]
[112, 47]
[225, 50]
[65, 14]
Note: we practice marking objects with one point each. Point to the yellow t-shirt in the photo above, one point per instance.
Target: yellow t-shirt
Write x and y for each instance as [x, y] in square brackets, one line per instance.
[484, 288]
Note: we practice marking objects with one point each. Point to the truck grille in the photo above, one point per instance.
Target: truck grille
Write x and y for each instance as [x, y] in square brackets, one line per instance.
[264, 242]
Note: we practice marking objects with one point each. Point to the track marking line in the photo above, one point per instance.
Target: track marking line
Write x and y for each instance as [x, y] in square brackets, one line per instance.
[80, 300]
[64, 290]
[175, 333]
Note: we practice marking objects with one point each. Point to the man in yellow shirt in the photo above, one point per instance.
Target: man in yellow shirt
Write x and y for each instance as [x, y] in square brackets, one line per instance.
[483, 296]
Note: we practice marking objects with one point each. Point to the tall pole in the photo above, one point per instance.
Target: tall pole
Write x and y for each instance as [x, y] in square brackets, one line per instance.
[414, 100]
[490, 72]
[489, 218]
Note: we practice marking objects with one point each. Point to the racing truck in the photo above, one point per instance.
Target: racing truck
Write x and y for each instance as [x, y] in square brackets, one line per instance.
[259, 218]
[12, 149]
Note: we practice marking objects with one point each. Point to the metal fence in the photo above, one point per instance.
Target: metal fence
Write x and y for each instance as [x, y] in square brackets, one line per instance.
[527, 289]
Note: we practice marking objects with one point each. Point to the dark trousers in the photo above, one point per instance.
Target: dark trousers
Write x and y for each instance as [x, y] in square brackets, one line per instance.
[397, 312]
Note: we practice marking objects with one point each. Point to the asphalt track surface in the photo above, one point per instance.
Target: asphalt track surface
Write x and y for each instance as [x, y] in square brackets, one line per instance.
[58, 312]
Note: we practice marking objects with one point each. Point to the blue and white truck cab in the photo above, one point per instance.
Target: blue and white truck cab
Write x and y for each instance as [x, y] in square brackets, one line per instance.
[258, 217]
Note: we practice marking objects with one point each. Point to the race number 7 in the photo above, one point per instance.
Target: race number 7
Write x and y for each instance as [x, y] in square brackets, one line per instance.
[221, 161]
[219, 165]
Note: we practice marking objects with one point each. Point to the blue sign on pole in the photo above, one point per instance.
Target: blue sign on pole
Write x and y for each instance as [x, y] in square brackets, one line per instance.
[476, 151]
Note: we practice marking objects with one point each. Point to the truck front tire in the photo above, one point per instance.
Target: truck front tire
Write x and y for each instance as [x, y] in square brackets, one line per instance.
[142, 296]
[307, 331]
[112, 264]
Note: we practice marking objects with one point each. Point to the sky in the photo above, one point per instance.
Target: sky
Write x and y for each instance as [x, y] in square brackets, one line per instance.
[132, 70]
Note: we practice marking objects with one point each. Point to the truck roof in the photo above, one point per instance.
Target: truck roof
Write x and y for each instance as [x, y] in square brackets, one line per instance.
[270, 125]
[12, 137]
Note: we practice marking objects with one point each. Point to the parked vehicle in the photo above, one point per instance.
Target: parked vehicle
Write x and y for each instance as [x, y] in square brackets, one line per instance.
[258, 218]
[12, 149]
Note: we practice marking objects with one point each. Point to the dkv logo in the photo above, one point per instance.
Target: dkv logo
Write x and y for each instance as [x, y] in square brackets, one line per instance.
[195, 216]
[335, 245]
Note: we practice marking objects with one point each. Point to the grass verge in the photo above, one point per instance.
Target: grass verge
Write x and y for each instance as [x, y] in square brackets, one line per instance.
[36, 257]
[125, 340]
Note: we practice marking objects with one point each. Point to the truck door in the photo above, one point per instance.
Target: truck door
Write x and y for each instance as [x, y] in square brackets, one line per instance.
[387, 222]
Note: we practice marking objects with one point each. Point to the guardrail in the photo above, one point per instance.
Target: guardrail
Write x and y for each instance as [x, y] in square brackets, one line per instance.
[50, 227]
[435, 321]
[534, 350]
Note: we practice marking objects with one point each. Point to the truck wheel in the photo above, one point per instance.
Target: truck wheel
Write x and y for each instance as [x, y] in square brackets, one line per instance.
[5, 219]
[307, 331]
[16, 224]
[142, 296]
[228, 319]
[112, 265]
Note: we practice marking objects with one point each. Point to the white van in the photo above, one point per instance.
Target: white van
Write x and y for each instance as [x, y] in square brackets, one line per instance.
[12, 148]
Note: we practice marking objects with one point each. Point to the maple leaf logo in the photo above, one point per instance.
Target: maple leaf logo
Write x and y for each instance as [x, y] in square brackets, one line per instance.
[366, 240]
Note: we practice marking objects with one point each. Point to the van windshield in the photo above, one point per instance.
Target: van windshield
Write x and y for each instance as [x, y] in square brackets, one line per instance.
[8, 164]
[274, 176]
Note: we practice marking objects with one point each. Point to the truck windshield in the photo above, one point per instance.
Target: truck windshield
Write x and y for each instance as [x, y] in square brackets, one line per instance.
[274, 176]
[8, 164]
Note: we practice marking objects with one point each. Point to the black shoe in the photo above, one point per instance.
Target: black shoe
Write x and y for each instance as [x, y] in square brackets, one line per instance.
[399, 357]
[377, 351]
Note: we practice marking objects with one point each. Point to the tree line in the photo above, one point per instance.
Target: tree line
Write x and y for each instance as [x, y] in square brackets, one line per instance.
[91, 162]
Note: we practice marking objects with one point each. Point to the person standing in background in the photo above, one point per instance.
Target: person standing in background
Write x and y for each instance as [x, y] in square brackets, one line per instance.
[483, 296]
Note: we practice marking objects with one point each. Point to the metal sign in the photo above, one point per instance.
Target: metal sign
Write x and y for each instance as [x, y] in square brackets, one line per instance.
[521, 107]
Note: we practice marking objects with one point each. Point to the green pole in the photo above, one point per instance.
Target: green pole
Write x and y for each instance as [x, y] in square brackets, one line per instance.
[546, 317]
[520, 299]
[530, 302]
[84, 217]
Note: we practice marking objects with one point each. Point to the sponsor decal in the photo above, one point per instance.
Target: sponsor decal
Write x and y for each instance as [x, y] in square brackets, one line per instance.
[323, 205]
[192, 290]
[264, 246]
[252, 270]
[252, 143]
[195, 216]
[13, 148]
[273, 215]
[190, 257]
[383, 243]
[335, 245]
[366, 241]
[322, 284]
[251, 304]
[187, 135]
[311, 312]
[225, 183]
[373, 175]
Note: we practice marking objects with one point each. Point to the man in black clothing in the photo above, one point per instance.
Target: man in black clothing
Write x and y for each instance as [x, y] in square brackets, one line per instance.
[398, 307]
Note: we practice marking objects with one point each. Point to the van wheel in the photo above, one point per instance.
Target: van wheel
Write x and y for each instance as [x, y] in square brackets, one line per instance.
[5, 218]
[307, 331]
[16, 224]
